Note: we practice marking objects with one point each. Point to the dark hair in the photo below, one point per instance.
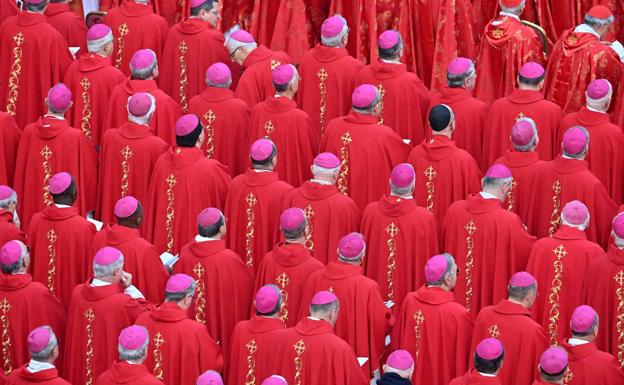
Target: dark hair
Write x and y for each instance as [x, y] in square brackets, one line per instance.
[273, 311]
[439, 117]
[210, 231]
[281, 87]
[264, 163]
[531, 82]
[190, 139]
[520, 292]
[550, 377]
[132, 218]
[390, 53]
[488, 366]
[295, 233]
[206, 5]
[36, 7]
[323, 308]
[68, 193]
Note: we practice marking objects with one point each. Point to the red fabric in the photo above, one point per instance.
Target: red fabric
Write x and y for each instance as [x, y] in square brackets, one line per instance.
[568, 290]
[333, 215]
[288, 266]
[523, 338]
[145, 28]
[414, 243]
[173, 11]
[361, 16]
[444, 333]
[121, 372]
[292, 131]
[456, 174]
[263, 20]
[9, 140]
[373, 147]
[140, 259]
[604, 156]
[263, 229]
[164, 118]
[44, 59]
[8, 229]
[363, 320]
[8, 8]
[472, 377]
[102, 78]
[32, 305]
[224, 273]
[230, 126]
[236, 12]
[112, 311]
[262, 331]
[70, 152]
[405, 98]
[290, 33]
[69, 254]
[71, 25]
[493, 262]
[255, 84]
[577, 182]
[200, 183]
[503, 115]
[342, 71]
[144, 151]
[45, 377]
[589, 365]
[566, 15]
[506, 46]
[187, 350]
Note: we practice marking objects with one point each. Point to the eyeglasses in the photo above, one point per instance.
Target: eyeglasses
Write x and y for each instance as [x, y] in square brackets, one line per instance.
[234, 53]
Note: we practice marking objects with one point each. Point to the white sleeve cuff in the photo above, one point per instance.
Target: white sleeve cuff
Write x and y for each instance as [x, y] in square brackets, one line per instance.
[619, 49]
[133, 292]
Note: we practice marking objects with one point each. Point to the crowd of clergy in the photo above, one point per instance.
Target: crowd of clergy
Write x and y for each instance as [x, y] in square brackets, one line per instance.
[183, 206]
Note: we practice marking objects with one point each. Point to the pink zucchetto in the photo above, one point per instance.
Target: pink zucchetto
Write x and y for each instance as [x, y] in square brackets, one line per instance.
[209, 377]
[554, 360]
[242, 36]
[498, 171]
[489, 349]
[574, 140]
[197, 3]
[402, 175]
[34, 2]
[323, 298]
[583, 318]
[364, 95]
[106, 255]
[11, 252]
[218, 73]
[59, 97]
[388, 39]
[531, 70]
[142, 59]
[208, 217]
[327, 160]
[133, 337]
[98, 31]
[575, 213]
[435, 268]
[261, 150]
[6, 192]
[267, 298]
[126, 207]
[618, 225]
[60, 182]
[39, 339]
[332, 26]
[459, 66]
[522, 279]
[522, 132]
[275, 380]
[292, 218]
[400, 360]
[178, 283]
[598, 89]
[139, 104]
[351, 246]
[283, 74]
[186, 124]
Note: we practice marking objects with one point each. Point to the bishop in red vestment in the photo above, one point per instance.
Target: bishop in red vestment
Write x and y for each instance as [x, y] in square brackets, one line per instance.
[60, 240]
[361, 16]
[510, 322]
[328, 75]
[255, 84]
[431, 324]
[99, 309]
[140, 257]
[289, 265]
[91, 79]
[404, 97]
[553, 367]
[289, 128]
[489, 242]
[10, 135]
[71, 25]
[364, 320]
[33, 57]
[398, 369]
[401, 236]
[49, 146]
[488, 359]
[219, 273]
[25, 304]
[330, 214]
[127, 157]
[254, 204]
[183, 183]
[180, 348]
[135, 26]
[144, 68]
[9, 221]
[363, 145]
[444, 172]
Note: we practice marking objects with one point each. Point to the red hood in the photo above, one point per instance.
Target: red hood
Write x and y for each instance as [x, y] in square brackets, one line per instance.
[133, 9]
[191, 26]
[256, 179]
[208, 248]
[616, 255]
[132, 130]
[316, 192]
[393, 206]
[217, 94]
[310, 327]
[169, 312]
[97, 293]
[259, 324]
[575, 41]
[328, 54]
[500, 30]
[92, 61]
[578, 352]
[525, 96]
[567, 166]
[290, 254]
[56, 8]
[28, 18]
[14, 282]
[279, 105]
[122, 372]
[48, 128]
[438, 147]
[505, 306]
[41, 376]
[591, 118]
[476, 204]
[132, 86]
[54, 213]
[449, 95]
[520, 159]
[339, 270]
[181, 157]
[434, 295]
[116, 235]
[385, 71]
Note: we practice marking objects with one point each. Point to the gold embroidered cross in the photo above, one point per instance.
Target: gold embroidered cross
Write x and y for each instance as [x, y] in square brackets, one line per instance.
[252, 346]
[392, 230]
[46, 152]
[171, 181]
[269, 128]
[619, 278]
[18, 39]
[5, 306]
[51, 236]
[494, 331]
[85, 83]
[123, 29]
[210, 117]
[300, 347]
[183, 47]
[199, 270]
[322, 74]
[560, 252]
[274, 64]
[346, 138]
[89, 315]
[430, 173]
[251, 199]
[470, 227]
[158, 340]
[126, 152]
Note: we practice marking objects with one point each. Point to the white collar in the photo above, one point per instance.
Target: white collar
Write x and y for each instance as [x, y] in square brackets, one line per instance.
[584, 28]
[199, 238]
[323, 182]
[38, 366]
[507, 14]
[254, 170]
[391, 61]
[314, 318]
[98, 282]
[53, 116]
[487, 374]
[61, 206]
[569, 157]
[595, 110]
[487, 195]
[576, 341]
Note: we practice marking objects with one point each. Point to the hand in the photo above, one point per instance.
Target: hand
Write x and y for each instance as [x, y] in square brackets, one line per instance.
[126, 279]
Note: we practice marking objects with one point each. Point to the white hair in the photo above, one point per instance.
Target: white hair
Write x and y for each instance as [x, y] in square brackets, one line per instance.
[5, 203]
[226, 85]
[517, 10]
[581, 226]
[336, 40]
[601, 104]
[145, 119]
[47, 352]
[96, 46]
[133, 355]
[528, 146]
[14, 267]
[595, 22]
[107, 270]
[316, 170]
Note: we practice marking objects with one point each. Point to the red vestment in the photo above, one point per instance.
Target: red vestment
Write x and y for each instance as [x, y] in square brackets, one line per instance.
[361, 16]
[404, 98]
[122, 372]
[96, 315]
[185, 349]
[506, 46]
[33, 58]
[8, 8]
[400, 237]
[468, 231]
[71, 25]
[431, 324]
[253, 207]
[523, 338]
[135, 26]
[183, 183]
[327, 79]
[368, 153]
[363, 320]
[44, 377]
[224, 287]
[330, 216]
[444, 174]
[263, 19]
[164, 118]
[288, 266]
[559, 264]
[255, 84]
[473, 377]
[127, 158]
[140, 259]
[8, 229]
[226, 121]
[290, 33]
[60, 244]
[253, 338]
[292, 132]
[173, 11]
[563, 180]
[29, 305]
[588, 365]
[91, 96]
[503, 115]
[10, 135]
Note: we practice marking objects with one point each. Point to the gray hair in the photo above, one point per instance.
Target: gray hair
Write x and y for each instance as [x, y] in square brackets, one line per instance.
[96, 46]
[145, 119]
[107, 270]
[369, 109]
[336, 40]
[316, 170]
[451, 268]
[601, 104]
[582, 226]
[403, 191]
[177, 297]
[293, 234]
[595, 22]
[521, 292]
[527, 147]
[5, 203]
[47, 352]
[144, 73]
[279, 88]
[133, 355]
[495, 182]
[325, 308]
[455, 81]
[14, 267]
[232, 44]
[227, 84]
[517, 10]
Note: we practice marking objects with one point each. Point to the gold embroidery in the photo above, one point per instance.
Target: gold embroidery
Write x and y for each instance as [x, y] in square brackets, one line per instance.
[322, 75]
[14, 75]
[430, 173]
[392, 231]
[210, 118]
[282, 281]
[249, 233]
[158, 357]
[300, 348]
[274, 64]
[470, 229]
[343, 186]
[171, 182]
[419, 319]
[89, 316]
[123, 31]
[498, 32]
[252, 347]
[183, 47]
[85, 126]
[511, 196]
[51, 237]
[126, 153]
[46, 153]
[268, 129]
[200, 302]
[619, 326]
[556, 214]
[494, 331]
[382, 93]
[5, 307]
[521, 115]
[553, 298]
[309, 214]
